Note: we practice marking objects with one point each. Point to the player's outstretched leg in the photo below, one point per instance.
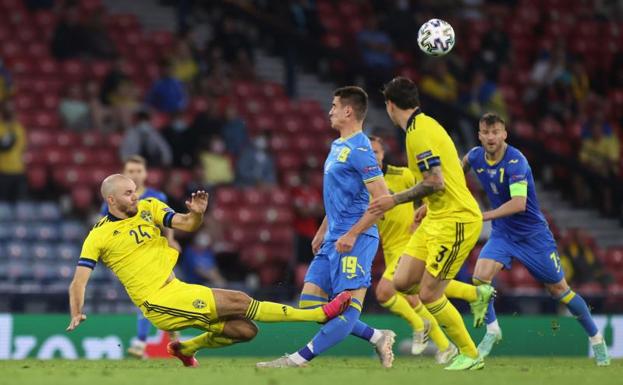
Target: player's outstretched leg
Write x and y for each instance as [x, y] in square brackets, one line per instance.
[221, 334]
[329, 335]
[577, 306]
[383, 340]
[493, 335]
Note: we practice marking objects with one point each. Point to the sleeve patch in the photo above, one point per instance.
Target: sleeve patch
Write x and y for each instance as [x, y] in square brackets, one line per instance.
[168, 219]
[428, 163]
[424, 155]
[87, 263]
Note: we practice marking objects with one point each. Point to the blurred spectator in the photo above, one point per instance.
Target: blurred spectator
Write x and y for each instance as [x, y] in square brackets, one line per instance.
[216, 81]
[184, 66]
[580, 82]
[256, 166]
[13, 183]
[183, 139]
[119, 94]
[229, 36]
[234, 131]
[98, 43]
[208, 123]
[483, 95]
[308, 212]
[70, 38]
[600, 150]
[199, 263]
[242, 68]
[581, 261]
[100, 114]
[494, 49]
[304, 17]
[398, 21]
[440, 83]
[144, 140]
[549, 67]
[217, 166]
[167, 94]
[74, 109]
[376, 53]
[6, 83]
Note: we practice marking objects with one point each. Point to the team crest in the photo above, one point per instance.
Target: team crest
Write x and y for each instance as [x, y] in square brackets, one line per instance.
[199, 304]
[146, 215]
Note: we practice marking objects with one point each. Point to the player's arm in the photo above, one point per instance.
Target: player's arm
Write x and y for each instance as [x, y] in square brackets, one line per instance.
[431, 183]
[192, 220]
[377, 188]
[517, 203]
[77, 289]
[319, 237]
[465, 164]
[169, 234]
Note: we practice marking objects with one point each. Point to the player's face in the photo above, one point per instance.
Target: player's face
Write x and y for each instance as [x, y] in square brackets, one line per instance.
[492, 137]
[125, 198]
[379, 153]
[136, 172]
[339, 113]
[390, 108]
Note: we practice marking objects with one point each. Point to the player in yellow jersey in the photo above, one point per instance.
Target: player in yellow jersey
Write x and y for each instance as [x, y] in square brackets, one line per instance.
[395, 228]
[451, 227]
[128, 240]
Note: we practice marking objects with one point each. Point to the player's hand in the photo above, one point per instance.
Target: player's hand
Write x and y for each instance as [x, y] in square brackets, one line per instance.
[345, 243]
[316, 243]
[198, 202]
[420, 214]
[75, 321]
[381, 204]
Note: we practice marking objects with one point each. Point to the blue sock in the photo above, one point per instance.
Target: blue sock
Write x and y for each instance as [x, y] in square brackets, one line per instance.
[490, 317]
[362, 330]
[577, 306]
[332, 332]
[142, 327]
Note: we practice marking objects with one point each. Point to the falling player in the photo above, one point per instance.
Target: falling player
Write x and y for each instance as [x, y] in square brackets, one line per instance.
[442, 242]
[128, 241]
[520, 231]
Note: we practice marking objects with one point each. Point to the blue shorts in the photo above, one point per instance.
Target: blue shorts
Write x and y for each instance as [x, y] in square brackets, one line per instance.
[334, 272]
[537, 253]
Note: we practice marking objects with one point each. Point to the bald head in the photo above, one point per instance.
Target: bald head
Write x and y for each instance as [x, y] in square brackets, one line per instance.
[119, 192]
[112, 183]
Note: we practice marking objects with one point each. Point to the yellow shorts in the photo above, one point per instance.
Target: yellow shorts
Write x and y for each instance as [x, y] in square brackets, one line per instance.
[391, 257]
[443, 245]
[179, 305]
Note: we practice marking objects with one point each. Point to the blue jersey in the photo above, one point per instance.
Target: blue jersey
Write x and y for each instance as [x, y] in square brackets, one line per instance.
[497, 179]
[148, 193]
[349, 166]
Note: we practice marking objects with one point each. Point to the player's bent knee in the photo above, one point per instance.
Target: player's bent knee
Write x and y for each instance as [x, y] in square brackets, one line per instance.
[384, 291]
[557, 289]
[241, 330]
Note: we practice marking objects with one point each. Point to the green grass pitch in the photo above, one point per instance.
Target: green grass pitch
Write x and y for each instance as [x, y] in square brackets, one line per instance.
[325, 370]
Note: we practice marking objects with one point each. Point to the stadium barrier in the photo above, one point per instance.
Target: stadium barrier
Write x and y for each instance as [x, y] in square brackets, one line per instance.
[108, 336]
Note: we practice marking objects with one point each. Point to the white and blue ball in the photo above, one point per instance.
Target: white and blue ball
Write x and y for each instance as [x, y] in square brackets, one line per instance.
[436, 37]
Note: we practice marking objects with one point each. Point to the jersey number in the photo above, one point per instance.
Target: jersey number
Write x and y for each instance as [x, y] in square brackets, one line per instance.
[141, 234]
[556, 259]
[441, 254]
[502, 175]
[349, 266]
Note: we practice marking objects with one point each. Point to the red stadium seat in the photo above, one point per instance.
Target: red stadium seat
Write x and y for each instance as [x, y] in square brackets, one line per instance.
[299, 274]
[278, 215]
[228, 196]
[82, 197]
[37, 177]
[249, 215]
[253, 197]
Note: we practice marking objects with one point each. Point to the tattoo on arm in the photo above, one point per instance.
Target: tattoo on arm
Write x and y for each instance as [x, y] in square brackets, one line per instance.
[432, 183]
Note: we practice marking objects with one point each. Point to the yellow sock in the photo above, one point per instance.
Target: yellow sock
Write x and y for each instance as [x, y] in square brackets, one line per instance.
[450, 319]
[205, 340]
[265, 311]
[399, 305]
[436, 334]
[461, 290]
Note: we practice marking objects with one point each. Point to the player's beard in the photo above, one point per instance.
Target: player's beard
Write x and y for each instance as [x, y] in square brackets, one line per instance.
[130, 210]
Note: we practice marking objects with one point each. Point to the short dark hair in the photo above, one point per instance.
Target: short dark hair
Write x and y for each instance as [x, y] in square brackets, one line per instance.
[355, 97]
[374, 138]
[402, 92]
[135, 159]
[491, 118]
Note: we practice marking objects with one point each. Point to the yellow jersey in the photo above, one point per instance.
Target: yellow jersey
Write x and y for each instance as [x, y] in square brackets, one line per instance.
[395, 224]
[133, 248]
[429, 145]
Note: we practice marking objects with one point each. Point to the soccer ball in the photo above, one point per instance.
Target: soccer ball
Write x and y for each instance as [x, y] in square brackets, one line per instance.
[436, 37]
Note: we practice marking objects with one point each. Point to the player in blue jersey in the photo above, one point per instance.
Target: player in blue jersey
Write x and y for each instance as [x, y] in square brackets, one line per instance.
[520, 231]
[347, 241]
[135, 168]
